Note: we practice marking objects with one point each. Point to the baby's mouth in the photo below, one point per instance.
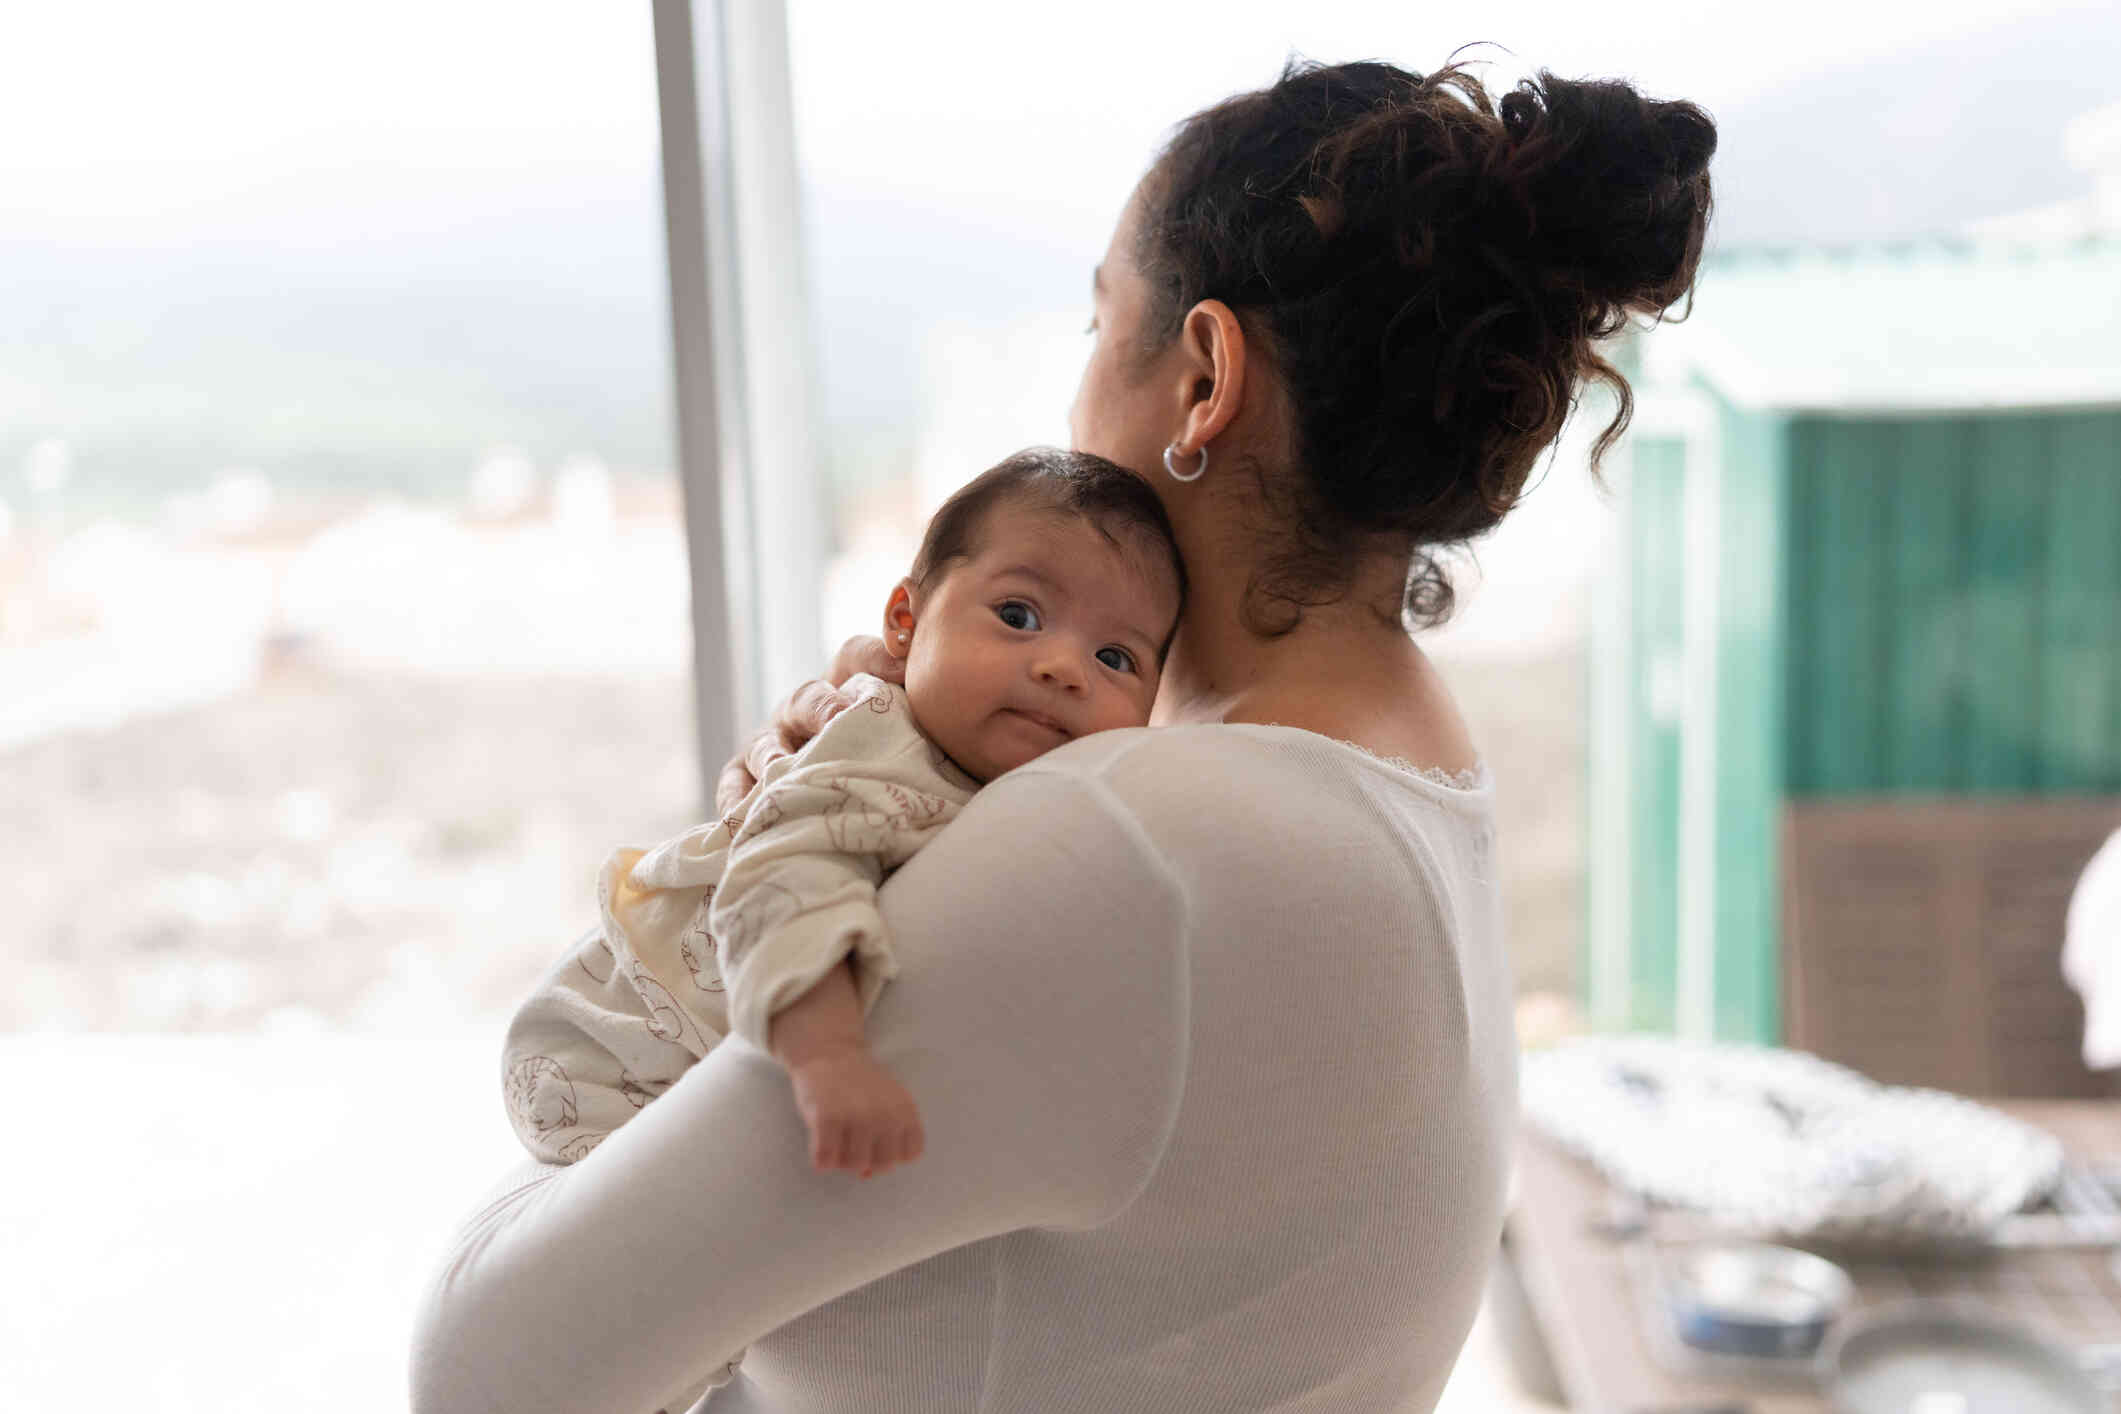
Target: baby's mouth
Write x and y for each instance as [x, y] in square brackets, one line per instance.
[1042, 720]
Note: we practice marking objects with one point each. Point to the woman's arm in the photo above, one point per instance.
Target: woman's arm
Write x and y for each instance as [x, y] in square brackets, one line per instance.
[1040, 1023]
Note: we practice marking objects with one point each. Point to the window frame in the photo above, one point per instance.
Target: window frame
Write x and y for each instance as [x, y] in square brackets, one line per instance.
[743, 362]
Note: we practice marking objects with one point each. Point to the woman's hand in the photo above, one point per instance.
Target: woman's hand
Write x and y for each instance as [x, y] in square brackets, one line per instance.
[802, 715]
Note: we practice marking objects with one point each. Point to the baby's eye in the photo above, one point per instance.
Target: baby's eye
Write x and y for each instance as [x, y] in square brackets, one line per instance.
[1125, 663]
[1017, 614]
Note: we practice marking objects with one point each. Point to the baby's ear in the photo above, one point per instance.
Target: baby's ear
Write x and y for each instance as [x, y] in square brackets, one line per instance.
[901, 613]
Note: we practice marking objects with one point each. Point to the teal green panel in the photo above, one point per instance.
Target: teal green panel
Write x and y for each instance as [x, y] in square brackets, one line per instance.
[1930, 651]
[1953, 605]
[1749, 729]
[1960, 492]
[1800, 609]
[2005, 586]
[2080, 682]
[1851, 622]
[1657, 504]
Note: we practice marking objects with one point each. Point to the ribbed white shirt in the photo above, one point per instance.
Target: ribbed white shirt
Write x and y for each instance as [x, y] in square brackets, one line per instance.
[1211, 1032]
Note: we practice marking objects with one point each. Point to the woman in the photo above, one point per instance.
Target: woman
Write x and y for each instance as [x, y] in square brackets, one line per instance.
[1209, 1022]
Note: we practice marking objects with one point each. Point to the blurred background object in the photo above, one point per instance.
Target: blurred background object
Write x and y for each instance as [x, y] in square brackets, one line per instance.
[1858, 725]
[2091, 953]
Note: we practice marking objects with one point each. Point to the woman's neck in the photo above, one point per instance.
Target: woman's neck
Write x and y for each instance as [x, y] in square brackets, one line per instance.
[1219, 670]
[1219, 673]
[1347, 671]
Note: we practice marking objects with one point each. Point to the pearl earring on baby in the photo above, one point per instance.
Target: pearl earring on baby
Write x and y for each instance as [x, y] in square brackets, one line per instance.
[903, 636]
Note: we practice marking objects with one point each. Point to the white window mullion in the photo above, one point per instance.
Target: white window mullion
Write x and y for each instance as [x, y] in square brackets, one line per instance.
[740, 330]
[780, 401]
[708, 379]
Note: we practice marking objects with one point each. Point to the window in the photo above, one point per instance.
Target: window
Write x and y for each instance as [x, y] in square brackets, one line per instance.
[343, 606]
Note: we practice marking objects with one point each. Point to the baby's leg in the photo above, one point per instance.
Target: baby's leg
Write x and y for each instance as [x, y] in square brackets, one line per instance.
[583, 1055]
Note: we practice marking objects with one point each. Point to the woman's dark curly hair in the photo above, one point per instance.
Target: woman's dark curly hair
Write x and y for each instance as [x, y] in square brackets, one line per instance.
[1431, 273]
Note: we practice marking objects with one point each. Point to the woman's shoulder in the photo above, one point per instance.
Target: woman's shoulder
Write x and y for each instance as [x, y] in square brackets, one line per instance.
[1201, 754]
[1228, 795]
[1242, 756]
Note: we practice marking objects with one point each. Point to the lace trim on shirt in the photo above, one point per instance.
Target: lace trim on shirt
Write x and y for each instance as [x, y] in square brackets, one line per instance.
[1472, 778]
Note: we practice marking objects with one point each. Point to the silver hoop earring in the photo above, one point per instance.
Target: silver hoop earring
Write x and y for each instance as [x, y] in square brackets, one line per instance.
[1176, 474]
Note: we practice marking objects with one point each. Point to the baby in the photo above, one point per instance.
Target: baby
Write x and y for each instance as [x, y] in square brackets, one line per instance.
[1039, 609]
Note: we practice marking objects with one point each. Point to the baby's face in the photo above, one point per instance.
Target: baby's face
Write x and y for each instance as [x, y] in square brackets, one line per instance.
[1048, 633]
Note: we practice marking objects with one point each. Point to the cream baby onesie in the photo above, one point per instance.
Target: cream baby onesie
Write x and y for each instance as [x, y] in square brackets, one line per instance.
[716, 930]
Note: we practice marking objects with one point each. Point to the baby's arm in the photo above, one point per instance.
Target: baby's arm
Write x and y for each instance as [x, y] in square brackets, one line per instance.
[859, 1117]
[800, 944]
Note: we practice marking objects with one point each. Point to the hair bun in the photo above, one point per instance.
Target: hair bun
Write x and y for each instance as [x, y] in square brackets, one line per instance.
[1617, 184]
[1432, 273]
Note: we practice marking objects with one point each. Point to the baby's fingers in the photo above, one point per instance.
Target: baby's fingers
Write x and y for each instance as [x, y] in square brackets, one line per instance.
[885, 1144]
[734, 783]
[849, 1143]
[864, 654]
[899, 1142]
[883, 1147]
[828, 1143]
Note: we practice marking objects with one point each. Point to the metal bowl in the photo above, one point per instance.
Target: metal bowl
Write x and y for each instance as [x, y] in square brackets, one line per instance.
[1754, 1299]
[1956, 1357]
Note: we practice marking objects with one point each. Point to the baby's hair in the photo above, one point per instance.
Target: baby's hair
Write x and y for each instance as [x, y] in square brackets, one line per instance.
[1104, 493]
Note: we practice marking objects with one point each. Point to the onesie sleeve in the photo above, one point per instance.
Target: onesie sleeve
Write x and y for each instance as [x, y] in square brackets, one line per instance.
[1040, 1022]
[799, 892]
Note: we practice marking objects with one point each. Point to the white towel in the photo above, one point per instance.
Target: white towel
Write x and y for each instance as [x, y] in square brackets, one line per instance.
[2091, 953]
[1783, 1145]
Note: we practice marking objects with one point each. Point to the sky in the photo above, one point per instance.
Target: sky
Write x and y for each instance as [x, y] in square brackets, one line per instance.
[1074, 99]
[157, 124]
[228, 203]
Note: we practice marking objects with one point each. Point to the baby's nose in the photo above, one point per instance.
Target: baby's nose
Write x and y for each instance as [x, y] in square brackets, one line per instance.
[1062, 669]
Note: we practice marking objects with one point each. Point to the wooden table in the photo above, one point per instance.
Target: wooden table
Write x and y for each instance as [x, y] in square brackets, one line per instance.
[1586, 1291]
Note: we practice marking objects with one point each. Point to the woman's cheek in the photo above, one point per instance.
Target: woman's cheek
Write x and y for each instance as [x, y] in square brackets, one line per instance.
[1077, 439]
[1090, 415]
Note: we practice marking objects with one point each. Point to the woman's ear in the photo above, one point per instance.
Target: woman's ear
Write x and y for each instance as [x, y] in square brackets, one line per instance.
[1215, 350]
[900, 614]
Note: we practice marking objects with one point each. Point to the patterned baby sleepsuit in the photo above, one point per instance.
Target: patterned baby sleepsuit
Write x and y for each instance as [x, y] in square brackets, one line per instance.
[713, 932]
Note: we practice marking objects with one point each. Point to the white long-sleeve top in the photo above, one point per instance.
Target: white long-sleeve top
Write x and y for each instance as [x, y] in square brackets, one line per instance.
[1211, 1032]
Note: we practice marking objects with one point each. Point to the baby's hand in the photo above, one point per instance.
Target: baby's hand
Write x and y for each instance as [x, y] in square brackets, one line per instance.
[860, 1118]
[802, 714]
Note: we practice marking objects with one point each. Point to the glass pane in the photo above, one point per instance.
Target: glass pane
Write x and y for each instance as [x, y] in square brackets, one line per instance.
[345, 594]
[343, 630]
